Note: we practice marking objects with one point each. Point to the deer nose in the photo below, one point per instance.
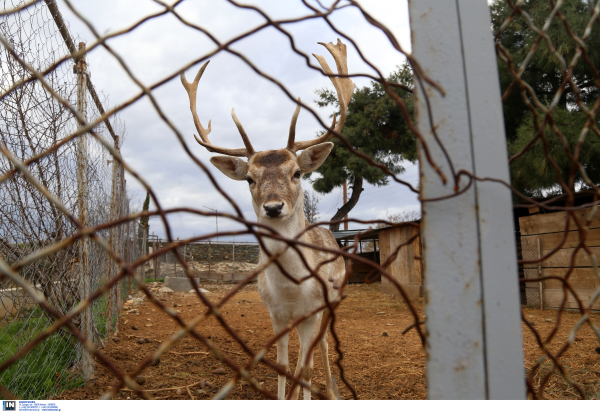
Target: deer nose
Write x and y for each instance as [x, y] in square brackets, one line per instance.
[273, 210]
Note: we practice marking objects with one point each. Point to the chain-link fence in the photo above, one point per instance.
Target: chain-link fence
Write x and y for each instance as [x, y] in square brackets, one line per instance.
[33, 122]
[65, 266]
[216, 261]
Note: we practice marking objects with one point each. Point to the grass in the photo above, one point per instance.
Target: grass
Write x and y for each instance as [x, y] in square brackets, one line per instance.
[44, 370]
[48, 368]
[151, 280]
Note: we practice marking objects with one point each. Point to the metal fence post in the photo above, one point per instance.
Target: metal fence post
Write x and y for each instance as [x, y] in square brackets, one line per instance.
[112, 239]
[87, 360]
[474, 342]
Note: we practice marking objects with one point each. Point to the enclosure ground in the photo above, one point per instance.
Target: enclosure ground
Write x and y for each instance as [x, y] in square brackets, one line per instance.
[378, 365]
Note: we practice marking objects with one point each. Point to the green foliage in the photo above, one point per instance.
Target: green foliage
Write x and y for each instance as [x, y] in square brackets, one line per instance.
[376, 127]
[545, 75]
[534, 171]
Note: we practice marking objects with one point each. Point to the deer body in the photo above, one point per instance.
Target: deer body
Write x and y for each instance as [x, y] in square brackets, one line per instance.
[274, 179]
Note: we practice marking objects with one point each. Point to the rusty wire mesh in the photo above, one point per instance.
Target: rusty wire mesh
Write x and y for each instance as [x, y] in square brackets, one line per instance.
[33, 121]
[550, 371]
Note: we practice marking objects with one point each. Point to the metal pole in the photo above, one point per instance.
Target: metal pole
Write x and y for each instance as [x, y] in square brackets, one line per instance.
[216, 220]
[539, 247]
[209, 257]
[156, 258]
[345, 201]
[87, 359]
[474, 343]
[112, 238]
[175, 262]
[144, 240]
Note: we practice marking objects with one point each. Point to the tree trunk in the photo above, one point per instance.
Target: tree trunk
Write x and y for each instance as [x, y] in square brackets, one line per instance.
[357, 189]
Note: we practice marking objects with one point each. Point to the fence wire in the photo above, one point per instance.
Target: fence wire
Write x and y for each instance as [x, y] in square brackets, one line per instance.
[546, 52]
[32, 121]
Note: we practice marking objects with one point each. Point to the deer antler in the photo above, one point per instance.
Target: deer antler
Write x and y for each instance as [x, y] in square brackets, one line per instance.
[344, 88]
[191, 89]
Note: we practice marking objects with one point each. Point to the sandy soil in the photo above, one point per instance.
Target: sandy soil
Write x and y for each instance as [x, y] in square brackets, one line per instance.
[379, 362]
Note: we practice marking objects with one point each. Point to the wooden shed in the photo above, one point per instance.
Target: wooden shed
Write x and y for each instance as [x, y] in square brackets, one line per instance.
[407, 267]
[540, 234]
[379, 245]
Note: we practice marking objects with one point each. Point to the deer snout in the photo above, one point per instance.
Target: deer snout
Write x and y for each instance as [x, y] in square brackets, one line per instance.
[273, 209]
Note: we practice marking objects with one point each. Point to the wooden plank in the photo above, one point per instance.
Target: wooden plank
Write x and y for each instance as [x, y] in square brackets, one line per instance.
[580, 278]
[553, 298]
[406, 268]
[552, 240]
[562, 258]
[556, 222]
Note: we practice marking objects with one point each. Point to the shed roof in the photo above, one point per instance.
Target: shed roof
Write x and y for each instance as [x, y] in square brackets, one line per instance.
[349, 234]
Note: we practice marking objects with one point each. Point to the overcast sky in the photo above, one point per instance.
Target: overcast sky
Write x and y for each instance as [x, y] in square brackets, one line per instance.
[163, 45]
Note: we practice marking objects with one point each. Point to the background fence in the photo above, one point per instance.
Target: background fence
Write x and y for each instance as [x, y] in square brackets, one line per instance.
[82, 175]
[212, 260]
[65, 264]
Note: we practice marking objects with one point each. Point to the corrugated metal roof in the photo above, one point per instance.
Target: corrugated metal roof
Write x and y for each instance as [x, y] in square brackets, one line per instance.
[349, 234]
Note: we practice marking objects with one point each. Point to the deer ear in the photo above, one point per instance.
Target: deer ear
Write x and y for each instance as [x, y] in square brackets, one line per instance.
[313, 157]
[232, 167]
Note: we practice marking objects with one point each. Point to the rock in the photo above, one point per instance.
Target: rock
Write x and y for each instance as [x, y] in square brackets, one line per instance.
[178, 391]
[201, 392]
[202, 384]
[115, 339]
[134, 327]
[148, 340]
[548, 320]
[149, 325]
[165, 289]
[140, 379]
[180, 305]
[385, 334]
[380, 313]
[219, 371]
[133, 312]
[141, 341]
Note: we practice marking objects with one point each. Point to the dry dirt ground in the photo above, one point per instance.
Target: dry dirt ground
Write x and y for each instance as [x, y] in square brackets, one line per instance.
[379, 362]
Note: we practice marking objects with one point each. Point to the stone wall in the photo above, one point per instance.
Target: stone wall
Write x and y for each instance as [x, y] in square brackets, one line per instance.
[219, 252]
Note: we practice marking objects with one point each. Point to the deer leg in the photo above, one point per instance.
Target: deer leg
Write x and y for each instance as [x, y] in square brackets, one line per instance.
[297, 372]
[307, 331]
[324, 348]
[282, 355]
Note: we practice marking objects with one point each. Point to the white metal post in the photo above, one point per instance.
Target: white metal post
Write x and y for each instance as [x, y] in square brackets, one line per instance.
[474, 342]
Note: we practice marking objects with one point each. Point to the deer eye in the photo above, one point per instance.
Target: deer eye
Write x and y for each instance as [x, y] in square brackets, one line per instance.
[249, 180]
[297, 174]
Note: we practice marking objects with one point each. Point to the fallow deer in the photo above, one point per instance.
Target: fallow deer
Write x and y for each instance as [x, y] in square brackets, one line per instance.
[274, 178]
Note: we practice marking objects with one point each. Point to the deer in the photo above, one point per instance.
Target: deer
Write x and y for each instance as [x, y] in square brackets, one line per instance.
[274, 179]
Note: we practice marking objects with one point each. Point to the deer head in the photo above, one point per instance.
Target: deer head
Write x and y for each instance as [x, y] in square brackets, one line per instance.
[274, 175]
